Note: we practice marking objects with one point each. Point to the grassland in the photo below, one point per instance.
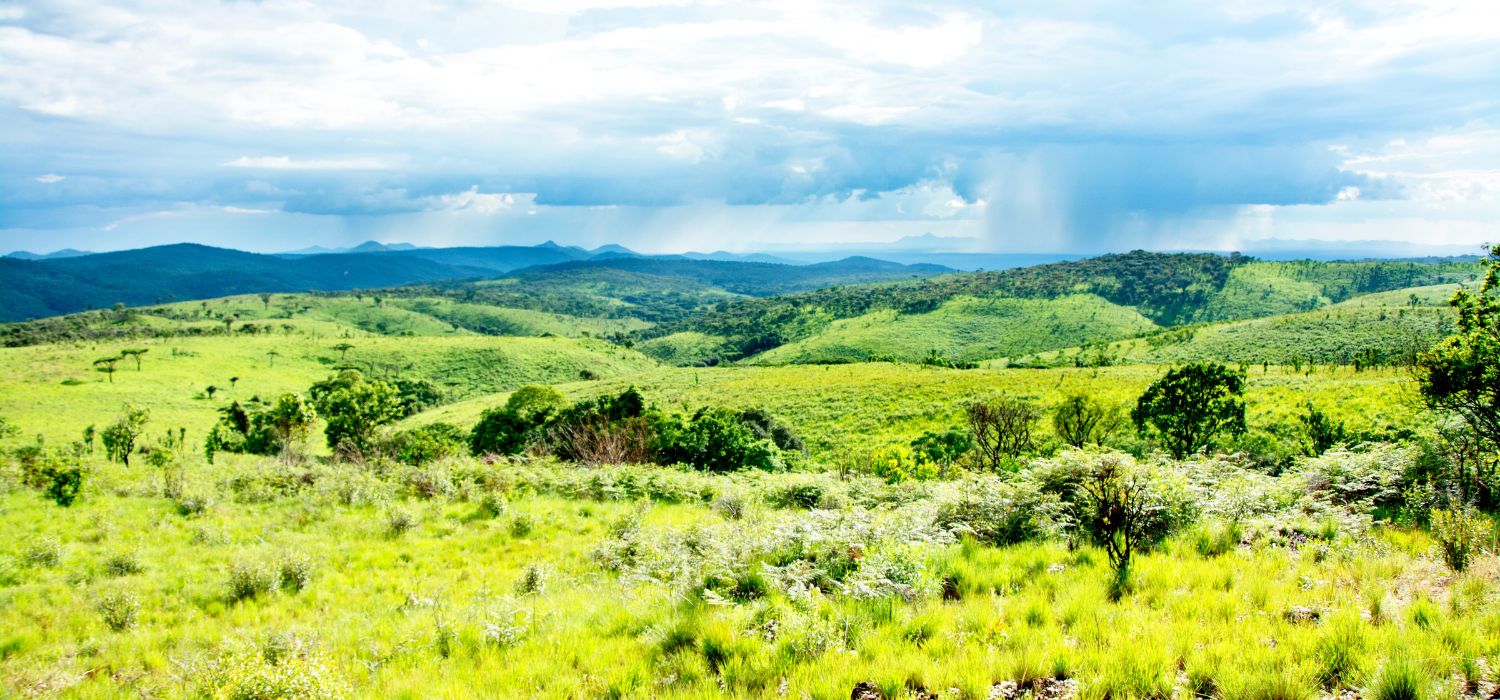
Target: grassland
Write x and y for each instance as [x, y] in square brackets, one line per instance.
[840, 409]
[54, 390]
[536, 602]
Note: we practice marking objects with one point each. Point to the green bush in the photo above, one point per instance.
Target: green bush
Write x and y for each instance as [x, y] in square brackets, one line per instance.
[119, 610]
[249, 579]
[717, 440]
[427, 443]
[996, 511]
[1460, 534]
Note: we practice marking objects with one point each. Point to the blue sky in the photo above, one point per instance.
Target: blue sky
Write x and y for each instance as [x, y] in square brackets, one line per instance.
[675, 125]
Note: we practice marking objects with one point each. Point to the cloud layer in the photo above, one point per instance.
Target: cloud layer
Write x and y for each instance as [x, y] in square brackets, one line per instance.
[680, 124]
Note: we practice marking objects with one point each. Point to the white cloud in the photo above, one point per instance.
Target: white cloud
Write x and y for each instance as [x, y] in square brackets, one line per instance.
[50, 178]
[289, 163]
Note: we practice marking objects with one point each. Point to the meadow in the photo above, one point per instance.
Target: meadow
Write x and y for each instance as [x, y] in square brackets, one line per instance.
[874, 553]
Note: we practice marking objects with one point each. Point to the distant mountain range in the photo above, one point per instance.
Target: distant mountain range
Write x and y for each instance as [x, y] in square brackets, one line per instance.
[54, 255]
[36, 288]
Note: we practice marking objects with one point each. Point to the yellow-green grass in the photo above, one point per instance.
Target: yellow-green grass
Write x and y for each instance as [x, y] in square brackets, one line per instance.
[1234, 625]
[390, 316]
[54, 390]
[839, 408]
[685, 348]
[965, 329]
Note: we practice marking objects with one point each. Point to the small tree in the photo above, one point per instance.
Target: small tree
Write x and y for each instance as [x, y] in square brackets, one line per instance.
[343, 349]
[1002, 430]
[120, 437]
[210, 390]
[265, 299]
[135, 354]
[1082, 420]
[1125, 509]
[290, 420]
[354, 407]
[107, 366]
[1191, 404]
[272, 354]
[1322, 432]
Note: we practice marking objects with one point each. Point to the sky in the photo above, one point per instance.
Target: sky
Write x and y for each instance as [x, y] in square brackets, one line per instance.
[672, 125]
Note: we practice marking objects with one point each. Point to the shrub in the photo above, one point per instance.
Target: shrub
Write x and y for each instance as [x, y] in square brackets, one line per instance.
[119, 611]
[399, 521]
[1322, 432]
[295, 571]
[509, 429]
[428, 443]
[897, 464]
[522, 525]
[492, 505]
[717, 440]
[119, 437]
[730, 505]
[250, 676]
[1460, 533]
[249, 579]
[1081, 420]
[354, 407]
[946, 447]
[533, 579]
[997, 512]
[507, 630]
[768, 427]
[43, 551]
[122, 564]
[1125, 507]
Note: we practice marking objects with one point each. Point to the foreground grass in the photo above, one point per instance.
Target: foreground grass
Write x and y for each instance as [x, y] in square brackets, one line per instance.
[436, 610]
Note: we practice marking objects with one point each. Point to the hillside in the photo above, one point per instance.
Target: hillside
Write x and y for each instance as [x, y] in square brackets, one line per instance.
[964, 329]
[1375, 329]
[1165, 289]
[175, 372]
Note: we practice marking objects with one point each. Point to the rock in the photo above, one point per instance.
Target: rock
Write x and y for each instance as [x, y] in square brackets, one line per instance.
[865, 690]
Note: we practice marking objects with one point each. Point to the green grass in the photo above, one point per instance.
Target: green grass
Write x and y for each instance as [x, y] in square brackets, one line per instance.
[407, 615]
[53, 389]
[965, 329]
[840, 408]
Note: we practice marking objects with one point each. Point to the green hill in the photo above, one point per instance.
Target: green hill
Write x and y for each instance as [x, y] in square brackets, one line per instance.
[175, 372]
[1167, 289]
[964, 329]
[1375, 329]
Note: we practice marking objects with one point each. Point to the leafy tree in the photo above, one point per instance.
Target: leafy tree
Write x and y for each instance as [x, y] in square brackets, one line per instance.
[107, 366]
[272, 354]
[1461, 374]
[1002, 430]
[510, 428]
[1082, 420]
[1322, 432]
[135, 354]
[343, 349]
[62, 475]
[120, 437]
[1191, 404]
[417, 395]
[265, 299]
[210, 390]
[290, 419]
[354, 407]
[718, 441]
